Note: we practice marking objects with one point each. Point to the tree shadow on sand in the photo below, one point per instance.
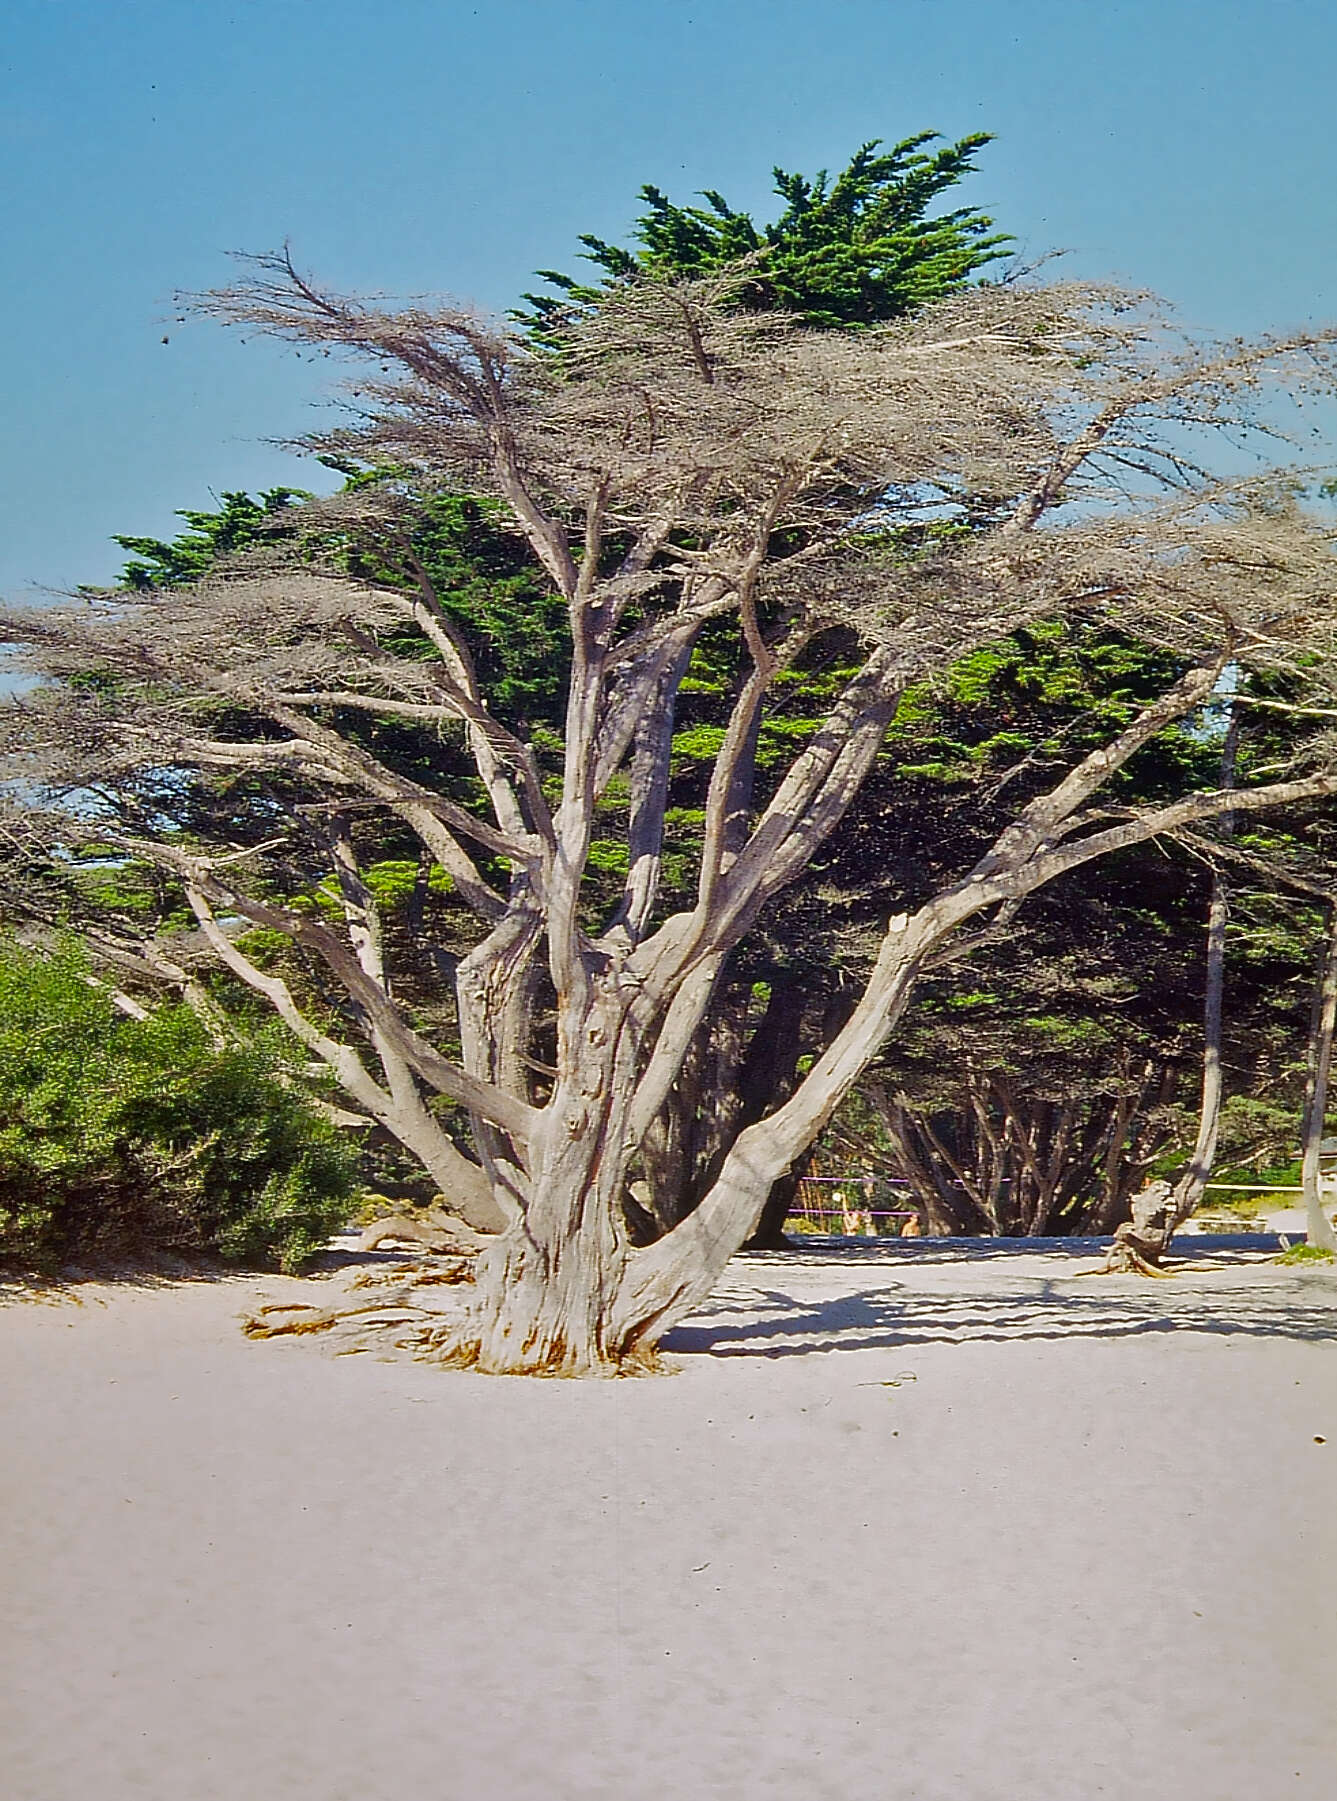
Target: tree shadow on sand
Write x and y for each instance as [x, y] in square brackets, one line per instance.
[759, 1323]
[813, 1249]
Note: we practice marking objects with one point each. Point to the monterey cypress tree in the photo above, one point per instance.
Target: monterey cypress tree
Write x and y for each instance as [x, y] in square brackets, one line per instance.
[857, 250]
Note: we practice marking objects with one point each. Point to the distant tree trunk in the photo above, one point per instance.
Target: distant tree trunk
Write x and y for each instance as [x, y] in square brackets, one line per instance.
[946, 1206]
[1318, 1227]
[1140, 1244]
[1192, 1184]
[700, 1117]
[770, 1233]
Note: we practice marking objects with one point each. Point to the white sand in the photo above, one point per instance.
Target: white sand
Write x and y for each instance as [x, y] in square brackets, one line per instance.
[1088, 1551]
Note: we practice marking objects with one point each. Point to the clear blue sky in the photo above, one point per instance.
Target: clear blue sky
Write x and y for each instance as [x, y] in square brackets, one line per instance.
[419, 146]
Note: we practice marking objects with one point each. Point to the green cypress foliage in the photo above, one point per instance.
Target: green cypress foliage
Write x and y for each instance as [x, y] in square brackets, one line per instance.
[239, 521]
[850, 251]
[125, 1138]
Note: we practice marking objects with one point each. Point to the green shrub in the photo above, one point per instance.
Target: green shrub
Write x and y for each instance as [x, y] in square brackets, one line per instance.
[1304, 1253]
[120, 1137]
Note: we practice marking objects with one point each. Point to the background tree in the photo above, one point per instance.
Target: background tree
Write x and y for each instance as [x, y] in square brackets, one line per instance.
[237, 522]
[861, 249]
[1046, 1071]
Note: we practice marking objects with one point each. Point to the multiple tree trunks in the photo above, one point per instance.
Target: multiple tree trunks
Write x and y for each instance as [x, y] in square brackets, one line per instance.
[682, 465]
[563, 1290]
[1015, 1164]
[739, 1066]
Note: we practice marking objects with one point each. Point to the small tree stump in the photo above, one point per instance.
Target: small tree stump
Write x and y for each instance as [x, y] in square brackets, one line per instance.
[1141, 1242]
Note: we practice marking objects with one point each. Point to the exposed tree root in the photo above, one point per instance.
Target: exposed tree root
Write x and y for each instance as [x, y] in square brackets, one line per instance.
[302, 1318]
[1141, 1242]
[432, 1337]
[433, 1229]
[416, 1275]
[285, 1319]
[1125, 1259]
[454, 1348]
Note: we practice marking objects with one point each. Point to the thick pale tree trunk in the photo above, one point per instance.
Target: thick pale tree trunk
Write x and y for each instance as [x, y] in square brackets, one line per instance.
[558, 1291]
[1318, 1227]
[545, 1289]
[544, 1295]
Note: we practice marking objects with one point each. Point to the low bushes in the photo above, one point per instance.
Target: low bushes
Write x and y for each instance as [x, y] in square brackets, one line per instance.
[121, 1138]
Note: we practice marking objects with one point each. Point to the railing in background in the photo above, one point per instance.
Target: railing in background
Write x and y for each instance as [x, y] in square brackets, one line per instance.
[845, 1205]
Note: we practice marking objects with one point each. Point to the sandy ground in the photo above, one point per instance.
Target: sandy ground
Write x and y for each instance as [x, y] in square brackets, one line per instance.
[908, 1523]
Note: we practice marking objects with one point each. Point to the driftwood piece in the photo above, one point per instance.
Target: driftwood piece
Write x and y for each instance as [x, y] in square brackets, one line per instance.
[1141, 1242]
[432, 1228]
